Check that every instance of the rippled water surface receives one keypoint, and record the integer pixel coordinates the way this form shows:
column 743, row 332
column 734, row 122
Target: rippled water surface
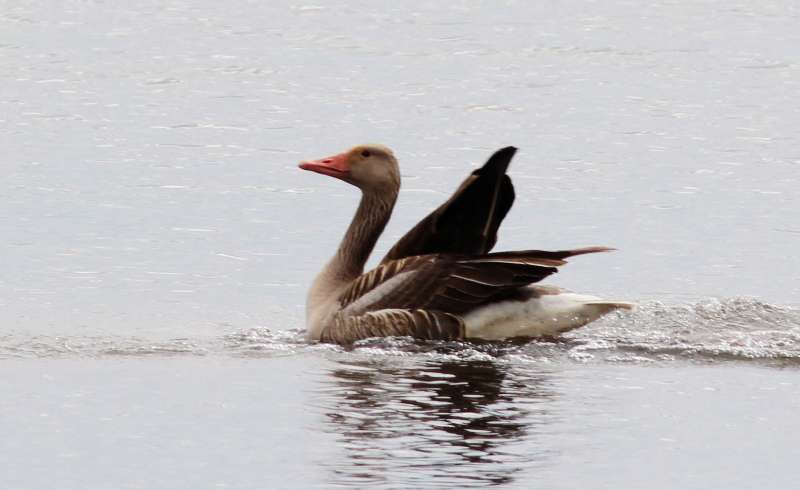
column 158, row 240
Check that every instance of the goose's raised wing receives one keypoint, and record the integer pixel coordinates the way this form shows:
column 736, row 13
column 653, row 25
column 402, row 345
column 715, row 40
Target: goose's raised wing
column 467, row 223
column 452, row 283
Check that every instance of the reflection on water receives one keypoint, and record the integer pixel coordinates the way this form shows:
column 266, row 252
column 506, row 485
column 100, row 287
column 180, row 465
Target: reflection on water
column 434, row 423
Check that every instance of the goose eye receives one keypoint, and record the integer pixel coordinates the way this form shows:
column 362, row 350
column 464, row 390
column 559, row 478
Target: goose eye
column 365, row 153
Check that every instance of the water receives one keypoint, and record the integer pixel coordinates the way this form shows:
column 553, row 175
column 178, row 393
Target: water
column 158, row 239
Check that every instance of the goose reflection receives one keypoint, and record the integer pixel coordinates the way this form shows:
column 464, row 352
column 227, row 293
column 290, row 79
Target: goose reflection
column 433, row 424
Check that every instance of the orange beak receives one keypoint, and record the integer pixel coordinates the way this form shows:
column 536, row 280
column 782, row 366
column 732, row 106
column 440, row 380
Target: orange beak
column 335, row 166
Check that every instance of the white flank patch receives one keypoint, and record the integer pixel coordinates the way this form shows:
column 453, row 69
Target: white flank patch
column 547, row 315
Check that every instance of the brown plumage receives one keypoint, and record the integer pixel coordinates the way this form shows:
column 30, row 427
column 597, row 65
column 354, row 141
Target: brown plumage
column 421, row 324
column 440, row 279
column 454, row 283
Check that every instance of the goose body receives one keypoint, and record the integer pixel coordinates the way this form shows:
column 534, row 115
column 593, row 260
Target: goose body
column 440, row 280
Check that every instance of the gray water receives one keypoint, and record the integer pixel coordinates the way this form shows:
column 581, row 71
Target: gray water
column 158, row 239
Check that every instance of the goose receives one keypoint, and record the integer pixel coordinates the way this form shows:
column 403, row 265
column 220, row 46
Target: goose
column 440, row 281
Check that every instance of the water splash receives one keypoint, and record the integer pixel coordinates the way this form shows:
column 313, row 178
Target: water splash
column 708, row 331
column 738, row 328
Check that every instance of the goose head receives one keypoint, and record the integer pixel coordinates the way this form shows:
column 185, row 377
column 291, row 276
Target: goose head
column 371, row 168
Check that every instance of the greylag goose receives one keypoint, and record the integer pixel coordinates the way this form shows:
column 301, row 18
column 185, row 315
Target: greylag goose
column 440, row 281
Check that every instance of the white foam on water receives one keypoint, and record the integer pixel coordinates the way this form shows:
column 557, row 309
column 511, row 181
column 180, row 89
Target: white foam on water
column 737, row 328
column 709, row 331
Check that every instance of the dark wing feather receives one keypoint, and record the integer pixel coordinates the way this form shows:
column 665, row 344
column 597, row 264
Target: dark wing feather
column 473, row 283
column 547, row 257
column 454, row 284
column 467, row 223
column 451, row 283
